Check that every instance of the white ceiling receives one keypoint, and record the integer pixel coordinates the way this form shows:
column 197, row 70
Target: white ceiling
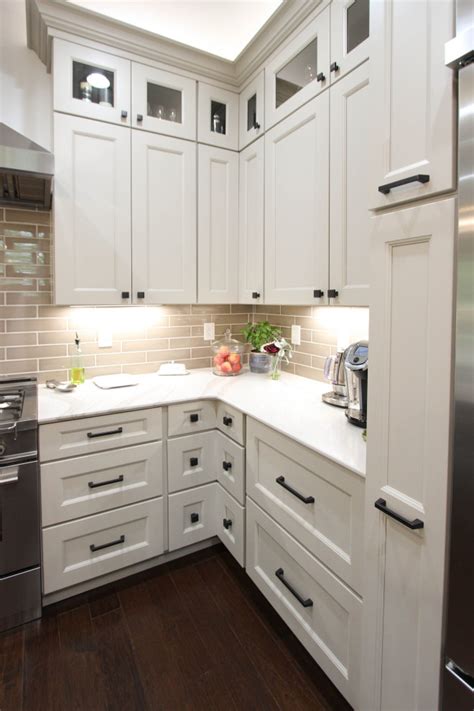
column 220, row 27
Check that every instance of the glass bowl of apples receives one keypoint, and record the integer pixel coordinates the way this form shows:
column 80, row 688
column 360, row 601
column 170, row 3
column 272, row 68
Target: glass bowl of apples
column 228, row 355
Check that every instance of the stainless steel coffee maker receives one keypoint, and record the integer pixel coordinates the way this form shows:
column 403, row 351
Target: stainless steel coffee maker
column 334, row 372
column 357, row 373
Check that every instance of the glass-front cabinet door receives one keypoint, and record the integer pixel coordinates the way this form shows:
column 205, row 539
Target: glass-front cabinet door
column 251, row 121
column 299, row 72
column 163, row 102
column 91, row 83
column 349, row 35
column 218, row 117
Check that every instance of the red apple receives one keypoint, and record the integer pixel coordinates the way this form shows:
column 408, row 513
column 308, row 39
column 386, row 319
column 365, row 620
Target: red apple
column 226, row 367
column 234, row 358
column 236, row 368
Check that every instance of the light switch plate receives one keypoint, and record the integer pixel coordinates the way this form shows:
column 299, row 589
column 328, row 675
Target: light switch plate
column 104, row 338
column 296, row 335
column 209, row 332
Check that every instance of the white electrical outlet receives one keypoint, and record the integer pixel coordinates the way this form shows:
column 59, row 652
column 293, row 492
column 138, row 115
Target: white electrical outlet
column 104, row 338
column 296, row 335
column 209, row 332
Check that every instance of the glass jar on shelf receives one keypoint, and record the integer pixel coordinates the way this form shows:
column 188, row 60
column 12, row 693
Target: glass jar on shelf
column 228, row 355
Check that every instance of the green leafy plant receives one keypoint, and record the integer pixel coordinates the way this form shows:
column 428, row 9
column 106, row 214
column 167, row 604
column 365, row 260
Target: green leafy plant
column 258, row 334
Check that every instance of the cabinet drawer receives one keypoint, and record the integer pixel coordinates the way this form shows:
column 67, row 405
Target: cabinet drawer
column 231, row 421
column 328, row 623
column 89, row 547
column 98, row 482
column 71, row 438
column 191, row 461
column 230, row 524
column 230, row 466
column 189, row 417
column 281, row 473
column 191, row 516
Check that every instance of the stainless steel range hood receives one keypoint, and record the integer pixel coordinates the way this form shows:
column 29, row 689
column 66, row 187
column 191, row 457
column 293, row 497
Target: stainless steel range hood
column 26, row 171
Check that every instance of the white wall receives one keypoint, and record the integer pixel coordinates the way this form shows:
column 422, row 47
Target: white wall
column 25, row 87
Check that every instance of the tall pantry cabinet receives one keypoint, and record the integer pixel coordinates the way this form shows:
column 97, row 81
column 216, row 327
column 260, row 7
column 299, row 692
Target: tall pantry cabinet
column 412, row 266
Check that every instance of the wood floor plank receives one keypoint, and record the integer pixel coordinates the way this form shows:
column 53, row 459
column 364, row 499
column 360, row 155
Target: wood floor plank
column 245, row 685
column 11, row 670
column 44, row 672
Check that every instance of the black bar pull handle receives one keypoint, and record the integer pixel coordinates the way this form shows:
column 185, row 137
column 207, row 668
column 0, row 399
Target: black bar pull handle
column 95, row 484
column 95, row 548
column 420, row 178
column 226, row 466
column 227, row 523
column 280, row 573
column 381, row 505
column 305, row 499
column 92, row 435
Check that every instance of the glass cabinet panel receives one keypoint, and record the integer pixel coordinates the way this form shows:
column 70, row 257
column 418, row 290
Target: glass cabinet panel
column 164, row 103
column 93, row 84
column 252, row 112
column 297, row 73
column 357, row 23
column 218, row 117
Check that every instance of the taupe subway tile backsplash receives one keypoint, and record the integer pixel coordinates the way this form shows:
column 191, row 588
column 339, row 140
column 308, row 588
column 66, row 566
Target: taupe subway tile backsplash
column 37, row 337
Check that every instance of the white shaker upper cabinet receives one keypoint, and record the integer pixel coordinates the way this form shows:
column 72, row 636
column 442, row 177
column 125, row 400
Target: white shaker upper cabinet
column 218, row 117
column 408, row 460
column 218, row 214
column 251, row 221
column 297, row 206
column 349, row 261
column 163, row 102
column 164, row 219
column 91, row 83
column 299, row 71
column 412, row 95
column 251, row 114
column 349, row 35
column 92, row 240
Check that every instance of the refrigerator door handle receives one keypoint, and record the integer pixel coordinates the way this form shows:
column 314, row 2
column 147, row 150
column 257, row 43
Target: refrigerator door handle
column 463, row 677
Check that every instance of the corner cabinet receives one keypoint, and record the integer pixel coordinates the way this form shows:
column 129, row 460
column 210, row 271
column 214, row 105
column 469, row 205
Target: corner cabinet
column 297, row 206
column 92, row 212
column 218, row 117
column 408, row 458
column 218, row 215
column 251, row 112
column 164, row 219
column 251, row 223
column 412, row 132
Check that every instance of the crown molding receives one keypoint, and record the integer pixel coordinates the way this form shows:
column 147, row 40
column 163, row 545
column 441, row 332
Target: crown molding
column 45, row 18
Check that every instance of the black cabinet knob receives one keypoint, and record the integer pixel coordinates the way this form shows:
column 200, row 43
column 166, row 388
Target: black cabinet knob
column 194, row 461
column 194, row 417
column 256, row 125
column 140, row 294
column 124, row 114
column 255, row 295
column 226, row 466
column 334, row 67
column 194, row 517
column 125, row 294
column 332, row 293
column 139, row 118
column 227, row 523
column 320, row 77
column 318, row 293
column 227, row 421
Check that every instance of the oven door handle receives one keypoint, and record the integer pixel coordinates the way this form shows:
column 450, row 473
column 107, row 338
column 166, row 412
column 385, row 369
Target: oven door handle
column 9, row 475
column 8, row 428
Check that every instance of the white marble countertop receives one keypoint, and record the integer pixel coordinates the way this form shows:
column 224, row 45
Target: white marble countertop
column 291, row 405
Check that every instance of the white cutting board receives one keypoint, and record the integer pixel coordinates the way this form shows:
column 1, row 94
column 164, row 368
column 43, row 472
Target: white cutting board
column 122, row 380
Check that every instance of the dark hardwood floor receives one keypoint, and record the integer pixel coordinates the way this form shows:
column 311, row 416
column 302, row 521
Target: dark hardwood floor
column 194, row 634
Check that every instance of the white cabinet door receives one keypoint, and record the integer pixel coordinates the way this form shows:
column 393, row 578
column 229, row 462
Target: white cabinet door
column 92, row 240
column 163, row 102
column 349, row 35
column 91, row 83
column 408, row 459
column 251, row 111
column 230, row 524
column 218, row 251
column 218, row 117
column 164, row 219
column 349, row 194
column 299, row 71
column 297, row 206
column 251, row 221
column 412, row 127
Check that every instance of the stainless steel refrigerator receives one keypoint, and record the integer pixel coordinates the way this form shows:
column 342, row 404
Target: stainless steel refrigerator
column 458, row 678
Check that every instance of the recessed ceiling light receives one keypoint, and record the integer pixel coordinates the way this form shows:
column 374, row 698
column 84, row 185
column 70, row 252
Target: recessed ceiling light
column 98, row 81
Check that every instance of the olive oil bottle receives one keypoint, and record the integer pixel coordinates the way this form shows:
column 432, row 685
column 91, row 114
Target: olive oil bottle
column 77, row 367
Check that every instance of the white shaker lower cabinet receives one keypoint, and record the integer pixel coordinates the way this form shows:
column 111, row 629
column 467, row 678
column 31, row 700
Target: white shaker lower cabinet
column 323, row 613
column 191, row 461
column 218, row 215
column 349, row 194
column 191, row 515
column 230, row 466
column 92, row 212
column 251, row 223
column 230, row 523
column 90, row 547
column 297, row 206
column 408, row 460
column 164, row 219
column 412, row 95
